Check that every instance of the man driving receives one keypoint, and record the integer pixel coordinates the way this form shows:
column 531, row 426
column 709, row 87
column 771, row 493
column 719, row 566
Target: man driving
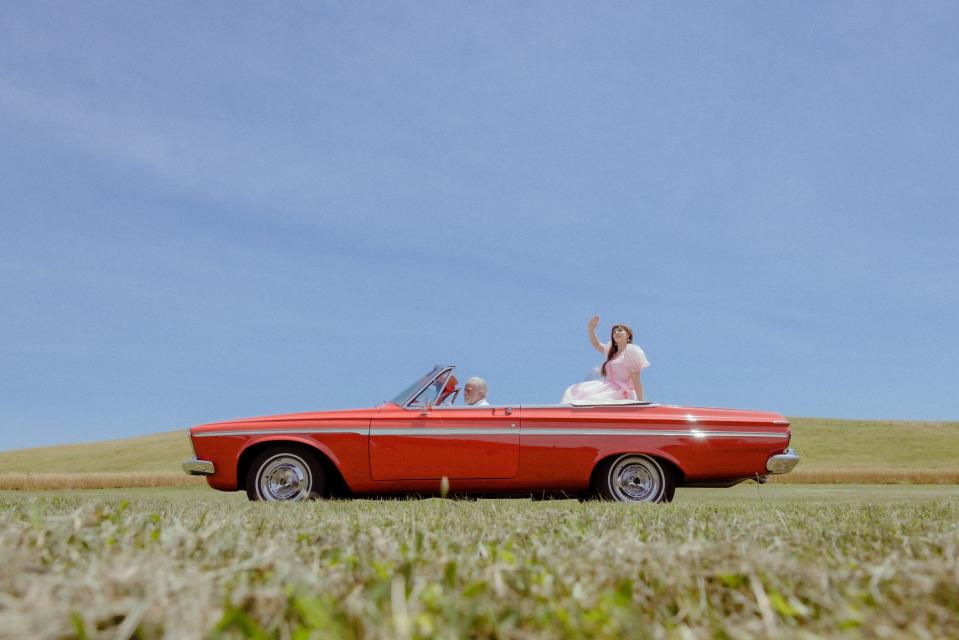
column 474, row 392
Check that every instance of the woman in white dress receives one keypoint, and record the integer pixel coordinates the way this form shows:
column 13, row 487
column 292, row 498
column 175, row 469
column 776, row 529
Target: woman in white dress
column 621, row 370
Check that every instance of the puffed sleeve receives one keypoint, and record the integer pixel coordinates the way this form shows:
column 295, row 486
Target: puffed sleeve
column 635, row 359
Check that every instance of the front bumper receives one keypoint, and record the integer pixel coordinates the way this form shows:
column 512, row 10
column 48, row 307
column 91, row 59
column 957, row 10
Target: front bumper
column 196, row 467
column 782, row 462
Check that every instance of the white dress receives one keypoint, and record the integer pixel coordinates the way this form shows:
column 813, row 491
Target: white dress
column 618, row 384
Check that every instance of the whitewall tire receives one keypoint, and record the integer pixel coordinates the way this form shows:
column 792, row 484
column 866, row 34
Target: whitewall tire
column 285, row 474
column 635, row 477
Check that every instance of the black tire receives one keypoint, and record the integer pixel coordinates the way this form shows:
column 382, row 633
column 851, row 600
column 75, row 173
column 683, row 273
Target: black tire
column 670, row 492
column 285, row 473
column 634, row 477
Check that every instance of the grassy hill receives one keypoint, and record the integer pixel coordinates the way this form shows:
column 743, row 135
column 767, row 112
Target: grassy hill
column 826, row 444
column 832, row 451
column 154, row 453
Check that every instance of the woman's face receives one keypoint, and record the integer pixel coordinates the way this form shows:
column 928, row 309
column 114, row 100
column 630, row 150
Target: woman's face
column 620, row 335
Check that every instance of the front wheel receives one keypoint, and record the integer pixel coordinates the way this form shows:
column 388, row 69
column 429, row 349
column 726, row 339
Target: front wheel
column 283, row 474
column 635, row 478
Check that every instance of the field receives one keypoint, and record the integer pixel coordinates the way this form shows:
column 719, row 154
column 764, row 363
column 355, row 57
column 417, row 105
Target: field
column 773, row 561
column 780, row 560
column 861, row 451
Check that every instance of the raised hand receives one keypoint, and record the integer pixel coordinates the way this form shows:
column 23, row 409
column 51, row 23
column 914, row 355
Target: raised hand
column 593, row 340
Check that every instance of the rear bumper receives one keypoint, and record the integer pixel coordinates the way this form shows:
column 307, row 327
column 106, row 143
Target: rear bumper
column 782, row 462
column 197, row 467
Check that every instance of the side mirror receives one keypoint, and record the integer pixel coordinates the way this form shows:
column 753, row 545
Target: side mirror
column 426, row 409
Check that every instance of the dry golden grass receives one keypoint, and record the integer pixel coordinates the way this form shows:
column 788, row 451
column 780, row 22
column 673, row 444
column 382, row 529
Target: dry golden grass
column 868, row 476
column 161, row 452
column 106, row 480
column 870, row 445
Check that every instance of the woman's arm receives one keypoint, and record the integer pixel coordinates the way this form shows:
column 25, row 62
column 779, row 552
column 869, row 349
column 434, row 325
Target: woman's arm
column 593, row 340
column 639, row 386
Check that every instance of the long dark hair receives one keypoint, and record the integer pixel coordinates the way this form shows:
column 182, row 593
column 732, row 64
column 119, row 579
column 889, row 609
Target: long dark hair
column 613, row 347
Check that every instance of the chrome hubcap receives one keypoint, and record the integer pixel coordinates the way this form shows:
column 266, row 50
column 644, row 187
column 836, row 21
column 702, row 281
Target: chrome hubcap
column 636, row 479
column 285, row 477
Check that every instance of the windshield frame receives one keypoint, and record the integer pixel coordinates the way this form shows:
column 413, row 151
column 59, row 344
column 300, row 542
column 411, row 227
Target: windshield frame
column 406, row 395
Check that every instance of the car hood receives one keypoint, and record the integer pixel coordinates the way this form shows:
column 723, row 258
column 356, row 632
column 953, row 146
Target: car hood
column 315, row 419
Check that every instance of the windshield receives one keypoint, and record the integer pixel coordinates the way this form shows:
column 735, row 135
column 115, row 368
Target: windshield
column 405, row 394
column 429, row 395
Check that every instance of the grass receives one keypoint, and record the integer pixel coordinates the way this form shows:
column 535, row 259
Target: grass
column 880, row 452
column 830, row 445
column 867, row 476
column 102, row 480
column 773, row 561
column 159, row 452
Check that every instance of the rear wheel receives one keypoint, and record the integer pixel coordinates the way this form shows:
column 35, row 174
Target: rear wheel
column 634, row 478
column 285, row 474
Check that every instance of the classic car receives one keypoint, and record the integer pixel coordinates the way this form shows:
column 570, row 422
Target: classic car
column 422, row 443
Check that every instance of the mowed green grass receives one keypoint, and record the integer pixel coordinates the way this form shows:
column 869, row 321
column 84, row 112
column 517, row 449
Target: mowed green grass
column 771, row 561
column 824, row 445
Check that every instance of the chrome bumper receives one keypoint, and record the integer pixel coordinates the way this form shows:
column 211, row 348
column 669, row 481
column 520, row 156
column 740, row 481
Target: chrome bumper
column 198, row 467
column 783, row 462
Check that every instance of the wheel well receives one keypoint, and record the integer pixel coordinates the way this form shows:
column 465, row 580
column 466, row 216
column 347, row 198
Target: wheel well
column 338, row 487
column 667, row 464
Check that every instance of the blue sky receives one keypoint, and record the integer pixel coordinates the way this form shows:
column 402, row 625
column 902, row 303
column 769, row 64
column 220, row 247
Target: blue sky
column 219, row 210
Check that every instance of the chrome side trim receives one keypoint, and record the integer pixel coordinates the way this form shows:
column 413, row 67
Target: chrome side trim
column 196, row 467
column 783, row 462
column 466, row 407
column 279, row 432
column 574, row 432
column 692, row 433
column 581, row 404
column 498, row 431
column 612, row 405
column 445, row 432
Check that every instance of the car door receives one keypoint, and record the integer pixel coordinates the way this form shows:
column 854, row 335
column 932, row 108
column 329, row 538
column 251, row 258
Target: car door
column 456, row 442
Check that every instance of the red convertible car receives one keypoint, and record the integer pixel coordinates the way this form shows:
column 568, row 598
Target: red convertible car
column 421, row 443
